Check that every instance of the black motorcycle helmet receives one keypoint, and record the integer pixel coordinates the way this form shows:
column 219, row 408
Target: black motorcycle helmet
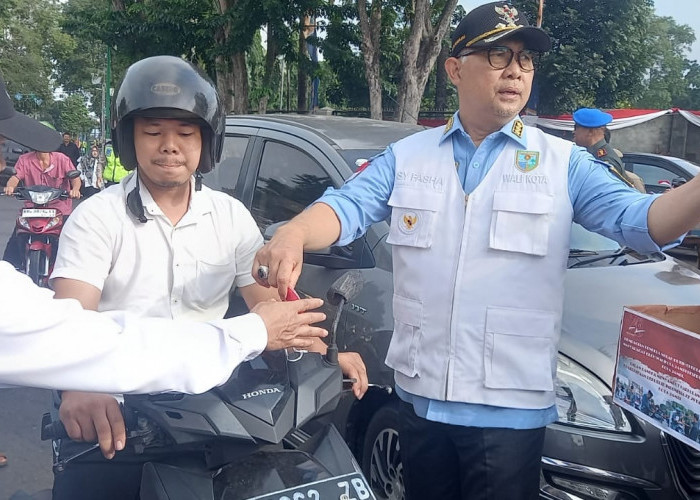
column 167, row 87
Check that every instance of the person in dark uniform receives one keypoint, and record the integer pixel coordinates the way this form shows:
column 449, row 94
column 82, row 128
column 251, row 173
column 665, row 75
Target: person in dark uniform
column 589, row 132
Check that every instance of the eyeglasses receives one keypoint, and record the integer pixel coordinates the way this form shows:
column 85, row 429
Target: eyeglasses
column 501, row 57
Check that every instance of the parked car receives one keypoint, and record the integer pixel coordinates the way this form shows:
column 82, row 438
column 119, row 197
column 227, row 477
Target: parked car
column 11, row 151
column 277, row 165
column 661, row 173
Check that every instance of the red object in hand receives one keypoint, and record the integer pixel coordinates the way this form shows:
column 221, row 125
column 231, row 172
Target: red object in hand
column 291, row 294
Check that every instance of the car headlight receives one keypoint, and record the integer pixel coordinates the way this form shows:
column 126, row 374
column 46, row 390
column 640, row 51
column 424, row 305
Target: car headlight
column 583, row 400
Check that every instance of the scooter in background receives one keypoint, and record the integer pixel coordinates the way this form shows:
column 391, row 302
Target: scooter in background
column 38, row 228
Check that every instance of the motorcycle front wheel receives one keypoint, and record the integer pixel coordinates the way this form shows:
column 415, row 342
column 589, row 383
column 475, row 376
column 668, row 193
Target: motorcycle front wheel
column 36, row 267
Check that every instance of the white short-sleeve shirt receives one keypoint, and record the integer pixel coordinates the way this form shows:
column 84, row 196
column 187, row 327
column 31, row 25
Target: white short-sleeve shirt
column 155, row 268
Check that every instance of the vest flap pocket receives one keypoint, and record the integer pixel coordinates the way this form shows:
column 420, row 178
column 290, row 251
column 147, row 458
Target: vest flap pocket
column 412, row 217
column 419, row 199
column 405, row 342
column 520, row 222
column 523, row 202
column 409, row 311
column 519, row 349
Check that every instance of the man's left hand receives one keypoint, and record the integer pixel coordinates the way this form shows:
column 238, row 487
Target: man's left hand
column 353, row 367
column 74, row 193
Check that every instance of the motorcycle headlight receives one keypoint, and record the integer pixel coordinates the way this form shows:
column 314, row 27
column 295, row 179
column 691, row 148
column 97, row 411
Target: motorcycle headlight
column 583, row 400
column 52, row 223
column 41, row 197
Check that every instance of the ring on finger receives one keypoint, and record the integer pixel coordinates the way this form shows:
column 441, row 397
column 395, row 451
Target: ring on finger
column 263, row 272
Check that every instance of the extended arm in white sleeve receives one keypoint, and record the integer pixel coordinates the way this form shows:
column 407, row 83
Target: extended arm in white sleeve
column 51, row 343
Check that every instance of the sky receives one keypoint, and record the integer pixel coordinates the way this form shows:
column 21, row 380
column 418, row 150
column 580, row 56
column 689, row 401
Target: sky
column 682, row 11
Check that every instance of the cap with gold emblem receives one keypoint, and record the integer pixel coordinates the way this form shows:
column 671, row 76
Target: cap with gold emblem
column 491, row 22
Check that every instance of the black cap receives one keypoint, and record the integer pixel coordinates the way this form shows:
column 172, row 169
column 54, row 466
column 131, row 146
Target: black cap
column 23, row 129
column 495, row 21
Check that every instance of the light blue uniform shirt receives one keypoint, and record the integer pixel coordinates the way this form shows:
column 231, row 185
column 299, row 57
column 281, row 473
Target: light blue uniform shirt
column 601, row 202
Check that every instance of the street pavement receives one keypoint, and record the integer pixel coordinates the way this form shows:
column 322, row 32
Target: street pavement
column 29, row 467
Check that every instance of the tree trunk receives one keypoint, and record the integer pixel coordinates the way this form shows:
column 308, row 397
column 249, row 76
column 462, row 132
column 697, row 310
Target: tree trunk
column 231, row 75
column 419, row 55
column 224, row 83
column 270, row 65
column 240, row 84
column 371, row 29
column 441, row 79
column 302, row 73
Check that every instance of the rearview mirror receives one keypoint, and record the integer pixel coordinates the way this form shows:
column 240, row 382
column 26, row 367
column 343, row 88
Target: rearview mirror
column 73, row 174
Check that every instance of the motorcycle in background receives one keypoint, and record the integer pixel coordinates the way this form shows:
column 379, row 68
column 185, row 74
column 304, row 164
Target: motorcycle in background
column 246, row 439
column 38, row 228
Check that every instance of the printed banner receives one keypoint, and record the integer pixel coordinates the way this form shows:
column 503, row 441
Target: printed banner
column 657, row 376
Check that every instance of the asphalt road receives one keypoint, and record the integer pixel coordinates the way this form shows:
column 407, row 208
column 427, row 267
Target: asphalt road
column 29, row 467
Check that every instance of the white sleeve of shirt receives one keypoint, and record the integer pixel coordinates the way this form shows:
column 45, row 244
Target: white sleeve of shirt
column 86, row 243
column 250, row 242
column 55, row 344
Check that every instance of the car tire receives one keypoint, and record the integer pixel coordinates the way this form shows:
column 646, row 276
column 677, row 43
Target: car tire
column 381, row 460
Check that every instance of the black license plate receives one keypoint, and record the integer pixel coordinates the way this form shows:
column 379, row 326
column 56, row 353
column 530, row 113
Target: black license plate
column 348, row 487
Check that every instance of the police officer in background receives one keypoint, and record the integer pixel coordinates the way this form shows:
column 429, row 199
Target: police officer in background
column 589, row 132
column 481, row 213
column 114, row 171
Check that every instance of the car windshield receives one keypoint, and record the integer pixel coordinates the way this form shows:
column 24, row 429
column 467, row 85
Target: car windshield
column 587, row 241
column 692, row 168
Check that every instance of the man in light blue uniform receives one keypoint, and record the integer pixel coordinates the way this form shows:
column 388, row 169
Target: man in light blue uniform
column 480, row 218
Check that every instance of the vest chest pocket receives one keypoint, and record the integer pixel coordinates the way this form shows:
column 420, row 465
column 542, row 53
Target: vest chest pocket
column 405, row 342
column 412, row 217
column 518, row 351
column 520, row 222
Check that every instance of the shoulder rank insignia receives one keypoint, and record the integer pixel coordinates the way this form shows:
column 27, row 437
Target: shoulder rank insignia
column 517, row 128
column 448, row 125
column 600, row 153
column 527, row 161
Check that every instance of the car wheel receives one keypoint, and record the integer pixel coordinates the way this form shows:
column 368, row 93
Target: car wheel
column 380, row 454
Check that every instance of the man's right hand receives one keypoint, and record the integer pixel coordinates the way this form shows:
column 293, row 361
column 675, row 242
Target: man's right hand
column 93, row 417
column 9, row 190
column 289, row 324
column 283, row 255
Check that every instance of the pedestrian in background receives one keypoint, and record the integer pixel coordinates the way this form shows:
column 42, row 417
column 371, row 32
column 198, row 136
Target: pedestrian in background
column 70, row 149
column 91, row 167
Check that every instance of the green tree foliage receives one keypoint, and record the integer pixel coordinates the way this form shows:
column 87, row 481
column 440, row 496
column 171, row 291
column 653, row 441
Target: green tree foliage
column 671, row 77
column 31, row 35
column 599, row 55
column 72, row 115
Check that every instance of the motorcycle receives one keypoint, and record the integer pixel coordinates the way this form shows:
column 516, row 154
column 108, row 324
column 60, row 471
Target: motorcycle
column 244, row 439
column 38, row 228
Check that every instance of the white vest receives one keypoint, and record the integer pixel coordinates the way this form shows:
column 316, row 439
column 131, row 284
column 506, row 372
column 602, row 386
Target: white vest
column 478, row 280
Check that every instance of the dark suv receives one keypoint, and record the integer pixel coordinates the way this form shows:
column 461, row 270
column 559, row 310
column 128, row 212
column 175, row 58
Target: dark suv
column 276, row 165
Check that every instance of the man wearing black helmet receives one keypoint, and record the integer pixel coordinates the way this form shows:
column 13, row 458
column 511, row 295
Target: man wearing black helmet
column 157, row 244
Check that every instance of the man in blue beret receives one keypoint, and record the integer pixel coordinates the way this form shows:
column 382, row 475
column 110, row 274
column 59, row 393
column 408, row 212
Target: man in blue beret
column 589, row 132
